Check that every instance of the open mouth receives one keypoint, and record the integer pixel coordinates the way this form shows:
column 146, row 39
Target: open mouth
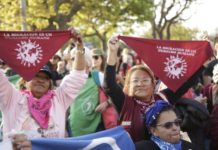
column 40, row 86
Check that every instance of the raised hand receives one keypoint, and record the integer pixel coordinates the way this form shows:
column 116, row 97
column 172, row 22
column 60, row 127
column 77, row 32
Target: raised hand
column 113, row 44
column 77, row 38
column 79, row 62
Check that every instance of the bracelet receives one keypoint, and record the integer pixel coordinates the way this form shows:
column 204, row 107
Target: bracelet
column 108, row 102
column 82, row 51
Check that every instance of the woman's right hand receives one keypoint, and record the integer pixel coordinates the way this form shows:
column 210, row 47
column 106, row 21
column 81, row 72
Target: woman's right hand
column 113, row 44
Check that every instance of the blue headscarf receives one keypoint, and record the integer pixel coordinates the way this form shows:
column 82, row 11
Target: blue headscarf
column 154, row 111
column 150, row 116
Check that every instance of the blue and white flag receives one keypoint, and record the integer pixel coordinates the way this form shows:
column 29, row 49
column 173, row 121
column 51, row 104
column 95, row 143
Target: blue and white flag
column 111, row 139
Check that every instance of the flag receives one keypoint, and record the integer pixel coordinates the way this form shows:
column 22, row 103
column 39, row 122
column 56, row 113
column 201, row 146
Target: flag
column 13, row 79
column 111, row 139
column 173, row 62
column 6, row 145
column 27, row 52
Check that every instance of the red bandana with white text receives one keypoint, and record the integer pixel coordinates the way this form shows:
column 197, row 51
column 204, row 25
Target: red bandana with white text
column 26, row 52
column 174, row 62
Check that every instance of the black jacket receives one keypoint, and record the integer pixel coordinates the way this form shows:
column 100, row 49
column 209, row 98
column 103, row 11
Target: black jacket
column 150, row 145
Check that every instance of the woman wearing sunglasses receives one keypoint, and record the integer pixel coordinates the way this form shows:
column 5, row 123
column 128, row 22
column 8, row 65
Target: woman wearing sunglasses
column 138, row 92
column 164, row 125
column 98, row 59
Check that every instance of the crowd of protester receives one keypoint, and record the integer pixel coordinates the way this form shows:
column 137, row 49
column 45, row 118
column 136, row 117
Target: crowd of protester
column 133, row 98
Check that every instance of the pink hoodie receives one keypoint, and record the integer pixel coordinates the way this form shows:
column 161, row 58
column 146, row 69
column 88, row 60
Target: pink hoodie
column 13, row 105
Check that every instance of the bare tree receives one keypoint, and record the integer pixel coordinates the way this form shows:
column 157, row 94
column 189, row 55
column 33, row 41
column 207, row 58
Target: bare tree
column 166, row 14
column 62, row 19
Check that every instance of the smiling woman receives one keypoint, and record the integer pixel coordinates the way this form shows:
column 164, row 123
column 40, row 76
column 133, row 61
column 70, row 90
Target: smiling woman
column 39, row 108
column 41, row 82
column 136, row 96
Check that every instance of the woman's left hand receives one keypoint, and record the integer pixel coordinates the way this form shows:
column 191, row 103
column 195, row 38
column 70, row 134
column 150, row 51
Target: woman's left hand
column 77, row 37
column 20, row 141
column 102, row 106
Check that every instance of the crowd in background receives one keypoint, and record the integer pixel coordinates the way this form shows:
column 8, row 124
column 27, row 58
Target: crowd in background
column 121, row 72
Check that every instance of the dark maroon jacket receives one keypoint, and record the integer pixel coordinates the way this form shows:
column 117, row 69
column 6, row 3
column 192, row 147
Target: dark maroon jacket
column 132, row 119
column 130, row 116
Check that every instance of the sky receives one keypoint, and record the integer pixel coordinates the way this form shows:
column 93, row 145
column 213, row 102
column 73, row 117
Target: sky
column 204, row 16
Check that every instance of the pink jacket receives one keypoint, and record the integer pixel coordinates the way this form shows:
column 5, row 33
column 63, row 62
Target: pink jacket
column 13, row 105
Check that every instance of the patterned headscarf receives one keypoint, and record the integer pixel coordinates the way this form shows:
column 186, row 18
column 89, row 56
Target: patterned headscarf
column 152, row 114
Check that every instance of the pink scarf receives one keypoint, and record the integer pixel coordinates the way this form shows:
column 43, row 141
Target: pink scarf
column 39, row 108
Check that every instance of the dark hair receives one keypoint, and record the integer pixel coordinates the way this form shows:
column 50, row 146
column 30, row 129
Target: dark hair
column 56, row 57
column 103, row 62
column 215, row 39
column 119, row 51
column 2, row 63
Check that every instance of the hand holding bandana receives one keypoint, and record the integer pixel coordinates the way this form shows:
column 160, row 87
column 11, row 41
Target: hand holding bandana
column 26, row 52
column 174, row 62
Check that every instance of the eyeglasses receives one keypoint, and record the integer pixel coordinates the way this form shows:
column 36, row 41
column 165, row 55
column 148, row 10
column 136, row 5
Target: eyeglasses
column 95, row 57
column 169, row 125
column 146, row 81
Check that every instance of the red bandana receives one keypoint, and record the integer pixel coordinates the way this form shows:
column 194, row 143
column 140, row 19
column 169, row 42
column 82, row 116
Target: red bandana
column 26, row 52
column 174, row 62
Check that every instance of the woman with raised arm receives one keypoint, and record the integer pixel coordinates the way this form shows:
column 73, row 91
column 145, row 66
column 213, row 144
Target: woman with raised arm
column 39, row 109
column 138, row 93
column 135, row 98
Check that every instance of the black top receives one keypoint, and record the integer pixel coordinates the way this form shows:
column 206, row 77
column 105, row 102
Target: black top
column 117, row 96
column 112, row 89
column 150, row 145
column 209, row 70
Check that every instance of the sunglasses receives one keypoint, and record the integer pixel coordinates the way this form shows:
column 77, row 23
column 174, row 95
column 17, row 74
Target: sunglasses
column 169, row 125
column 95, row 57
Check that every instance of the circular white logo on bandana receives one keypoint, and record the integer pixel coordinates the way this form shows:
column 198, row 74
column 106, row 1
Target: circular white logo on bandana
column 176, row 67
column 30, row 53
column 104, row 140
column 87, row 107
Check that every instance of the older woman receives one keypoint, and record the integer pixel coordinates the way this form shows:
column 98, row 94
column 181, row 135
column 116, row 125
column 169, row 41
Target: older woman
column 164, row 126
column 138, row 93
column 40, row 109
column 135, row 98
